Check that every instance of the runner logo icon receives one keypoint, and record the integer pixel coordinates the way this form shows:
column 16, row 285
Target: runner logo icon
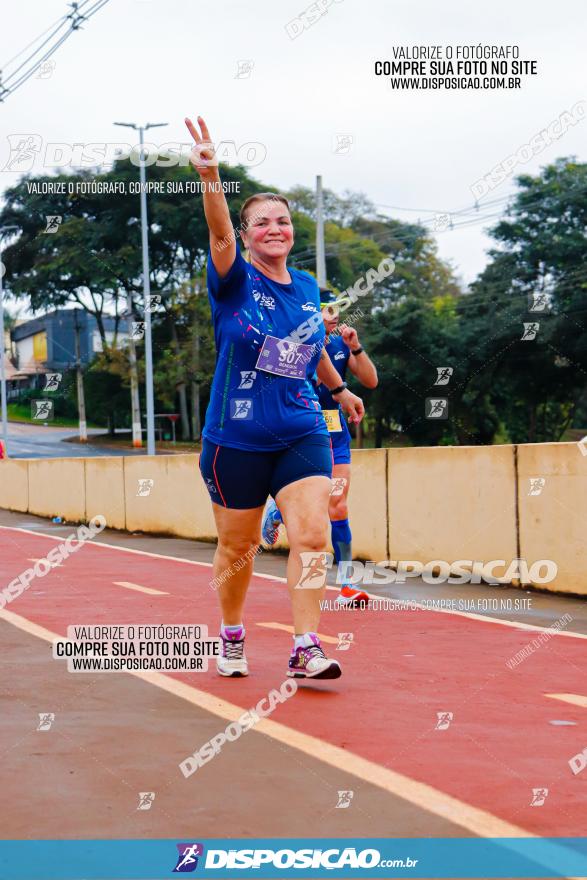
column 187, row 859
column 241, row 409
column 247, row 378
column 314, row 565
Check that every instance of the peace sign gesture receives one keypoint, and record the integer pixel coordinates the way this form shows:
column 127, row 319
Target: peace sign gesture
column 203, row 155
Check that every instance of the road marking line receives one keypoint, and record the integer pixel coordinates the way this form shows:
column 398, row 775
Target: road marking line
column 290, row 629
column 573, row 699
column 41, row 559
column 468, row 614
column 423, row 796
column 139, row 588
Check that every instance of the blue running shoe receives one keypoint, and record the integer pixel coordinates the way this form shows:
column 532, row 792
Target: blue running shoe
column 271, row 523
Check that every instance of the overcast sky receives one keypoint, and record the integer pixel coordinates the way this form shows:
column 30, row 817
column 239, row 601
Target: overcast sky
column 146, row 60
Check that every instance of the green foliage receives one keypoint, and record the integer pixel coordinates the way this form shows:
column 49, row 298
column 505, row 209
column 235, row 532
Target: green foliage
column 503, row 388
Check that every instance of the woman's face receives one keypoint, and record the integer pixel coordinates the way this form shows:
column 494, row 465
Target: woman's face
column 270, row 234
column 330, row 317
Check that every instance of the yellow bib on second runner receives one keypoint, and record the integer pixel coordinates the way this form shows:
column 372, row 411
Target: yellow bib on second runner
column 332, row 419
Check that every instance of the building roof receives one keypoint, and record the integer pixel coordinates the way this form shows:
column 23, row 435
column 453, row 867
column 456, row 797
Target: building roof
column 10, row 370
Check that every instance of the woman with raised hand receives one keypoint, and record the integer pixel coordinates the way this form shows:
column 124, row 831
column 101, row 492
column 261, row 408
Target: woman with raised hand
column 264, row 433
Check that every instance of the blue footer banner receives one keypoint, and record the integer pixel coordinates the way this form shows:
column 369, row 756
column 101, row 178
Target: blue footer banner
column 299, row 857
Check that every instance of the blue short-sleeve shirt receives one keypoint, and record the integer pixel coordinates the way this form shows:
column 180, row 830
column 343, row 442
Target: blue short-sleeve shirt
column 249, row 408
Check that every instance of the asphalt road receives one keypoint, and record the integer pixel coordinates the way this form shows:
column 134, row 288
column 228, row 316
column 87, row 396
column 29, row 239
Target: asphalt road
column 45, row 441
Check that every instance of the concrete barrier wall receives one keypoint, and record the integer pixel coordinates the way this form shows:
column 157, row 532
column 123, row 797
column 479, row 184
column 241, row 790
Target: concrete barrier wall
column 177, row 503
column 57, row 487
column 14, row 484
column 452, row 503
column 553, row 513
column 105, row 490
column 368, row 503
column 445, row 503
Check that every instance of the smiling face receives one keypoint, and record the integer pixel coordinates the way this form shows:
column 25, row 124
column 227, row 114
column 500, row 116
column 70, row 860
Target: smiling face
column 269, row 235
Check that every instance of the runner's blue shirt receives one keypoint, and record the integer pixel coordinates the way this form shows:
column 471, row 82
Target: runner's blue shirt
column 250, row 408
column 339, row 353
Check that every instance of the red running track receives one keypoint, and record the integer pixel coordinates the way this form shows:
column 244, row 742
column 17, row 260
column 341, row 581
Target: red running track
column 402, row 668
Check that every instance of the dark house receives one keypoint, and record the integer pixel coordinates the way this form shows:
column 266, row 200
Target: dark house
column 47, row 344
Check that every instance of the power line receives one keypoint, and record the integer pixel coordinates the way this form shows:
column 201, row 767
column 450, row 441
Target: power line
column 32, row 43
column 475, row 207
column 61, row 24
column 510, row 296
column 389, row 236
column 76, row 17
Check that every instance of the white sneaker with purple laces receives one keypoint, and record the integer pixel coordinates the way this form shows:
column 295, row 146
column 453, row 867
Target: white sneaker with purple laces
column 232, row 661
column 310, row 661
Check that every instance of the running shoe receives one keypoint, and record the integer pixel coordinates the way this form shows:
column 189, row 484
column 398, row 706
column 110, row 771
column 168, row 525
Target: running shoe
column 312, row 662
column 232, row 661
column 352, row 598
column 271, row 523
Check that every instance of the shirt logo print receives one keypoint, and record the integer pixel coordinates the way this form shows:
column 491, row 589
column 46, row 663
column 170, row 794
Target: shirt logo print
column 263, row 300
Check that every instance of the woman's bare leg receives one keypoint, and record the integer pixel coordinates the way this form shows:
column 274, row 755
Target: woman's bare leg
column 304, row 508
column 239, row 533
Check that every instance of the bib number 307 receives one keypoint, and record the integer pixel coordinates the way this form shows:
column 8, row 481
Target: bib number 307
column 284, row 358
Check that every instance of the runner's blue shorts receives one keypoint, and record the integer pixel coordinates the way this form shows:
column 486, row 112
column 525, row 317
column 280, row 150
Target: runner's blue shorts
column 341, row 444
column 240, row 479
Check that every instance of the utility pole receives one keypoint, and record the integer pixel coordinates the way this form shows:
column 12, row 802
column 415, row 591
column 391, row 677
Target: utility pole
column 81, row 400
column 320, row 255
column 137, row 432
column 146, row 286
column 3, row 403
column 321, row 265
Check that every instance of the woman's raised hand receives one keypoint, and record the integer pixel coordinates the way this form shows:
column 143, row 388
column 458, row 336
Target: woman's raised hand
column 203, row 155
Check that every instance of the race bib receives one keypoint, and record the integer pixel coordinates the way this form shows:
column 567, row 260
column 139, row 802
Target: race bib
column 284, row 358
column 332, row 419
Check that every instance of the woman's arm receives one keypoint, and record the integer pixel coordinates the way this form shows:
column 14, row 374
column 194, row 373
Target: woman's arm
column 350, row 403
column 360, row 365
column 222, row 236
column 363, row 368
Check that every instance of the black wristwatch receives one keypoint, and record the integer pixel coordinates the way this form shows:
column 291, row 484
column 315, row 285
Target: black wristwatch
column 358, row 350
column 338, row 390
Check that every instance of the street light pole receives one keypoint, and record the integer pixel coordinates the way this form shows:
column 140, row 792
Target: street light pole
column 149, row 392
column 3, row 403
column 320, row 254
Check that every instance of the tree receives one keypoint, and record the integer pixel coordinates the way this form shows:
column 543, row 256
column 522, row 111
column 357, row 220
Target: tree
column 540, row 263
column 94, row 259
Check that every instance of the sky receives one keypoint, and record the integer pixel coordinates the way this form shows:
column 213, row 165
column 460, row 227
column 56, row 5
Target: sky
column 313, row 103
